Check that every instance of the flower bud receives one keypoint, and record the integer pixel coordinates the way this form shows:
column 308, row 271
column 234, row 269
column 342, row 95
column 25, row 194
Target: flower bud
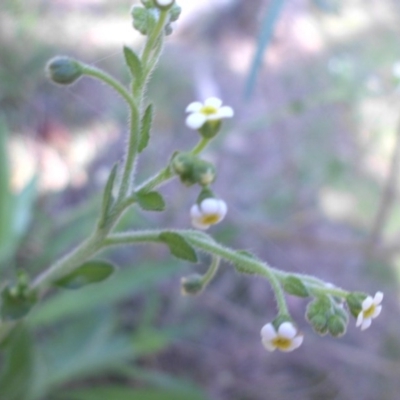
column 191, row 169
column 354, row 301
column 204, row 172
column 64, row 70
column 336, row 325
column 192, row 285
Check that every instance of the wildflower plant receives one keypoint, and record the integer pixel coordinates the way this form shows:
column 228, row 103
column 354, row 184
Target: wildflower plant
column 329, row 306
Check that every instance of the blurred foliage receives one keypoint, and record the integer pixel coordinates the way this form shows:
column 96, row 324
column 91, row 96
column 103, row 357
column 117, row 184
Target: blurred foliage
column 74, row 336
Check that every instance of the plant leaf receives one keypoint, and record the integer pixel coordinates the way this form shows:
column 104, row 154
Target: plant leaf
column 151, row 201
column 16, row 376
column 108, row 195
column 126, row 393
column 127, row 282
column 24, row 203
column 134, row 63
column 16, row 306
column 178, row 246
column 89, row 272
column 271, row 17
column 6, row 204
column 146, row 123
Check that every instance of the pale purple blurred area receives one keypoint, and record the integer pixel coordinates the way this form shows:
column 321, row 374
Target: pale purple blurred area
column 302, row 165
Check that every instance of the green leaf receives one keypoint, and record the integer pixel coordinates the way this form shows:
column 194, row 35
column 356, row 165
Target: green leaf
column 24, row 203
column 178, row 246
column 125, row 393
column 89, row 272
column 6, row 204
column 145, row 128
column 15, row 304
column 151, row 201
column 16, row 376
column 108, row 196
column 134, row 63
column 268, row 26
column 127, row 282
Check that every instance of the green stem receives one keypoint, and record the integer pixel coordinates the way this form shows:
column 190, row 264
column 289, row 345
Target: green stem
column 253, row 266
column 149, row 47
column 109, row 80
column 200, row 146
column 211, row 271
column 133, row 145
column 68, row 263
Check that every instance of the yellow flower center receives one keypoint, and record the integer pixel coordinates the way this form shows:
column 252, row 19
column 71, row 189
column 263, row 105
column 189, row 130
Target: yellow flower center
column 369, row 312
column 208, row 110
column 282, row 343
column 210, row 219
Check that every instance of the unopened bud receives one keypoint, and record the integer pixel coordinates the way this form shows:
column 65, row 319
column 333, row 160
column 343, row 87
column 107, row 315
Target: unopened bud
column 64, row 70
column 192, row 284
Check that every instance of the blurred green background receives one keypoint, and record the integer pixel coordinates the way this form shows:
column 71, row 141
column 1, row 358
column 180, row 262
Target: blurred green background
column 309, row 167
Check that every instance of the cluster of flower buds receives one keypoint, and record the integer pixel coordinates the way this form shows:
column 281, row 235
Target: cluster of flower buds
column 145, row 18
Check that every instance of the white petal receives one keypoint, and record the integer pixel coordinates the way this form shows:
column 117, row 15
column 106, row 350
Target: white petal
column 360, row 318
column 196, row 120
column 164, row 2
column 194, row 107
column 222, row 208
column 367, row 303
column 195, row 211
column 225, row 112
column 210, row 206
column 199, row 225
column 213, row 102
column 297, row 341
column 287, row 330
column 268, row 332
column 377, row 311
column 378, row 298
column 366, row 324
column 268, row 345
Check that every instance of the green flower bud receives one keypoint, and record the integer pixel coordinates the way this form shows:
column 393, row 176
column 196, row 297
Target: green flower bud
column 204, row 172
column 318, row 312
column 64, row 70
column 354, row 301
column 319, row 324
column 17, row 299
column 295, row 286
column 336, row 325
column 192, row 285
column 192, row 169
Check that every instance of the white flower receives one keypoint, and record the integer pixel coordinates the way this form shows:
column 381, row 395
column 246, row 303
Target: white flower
column 164, row 3
column 371, row 308
column 209, row 212
column 287, row 338
column 211, row 110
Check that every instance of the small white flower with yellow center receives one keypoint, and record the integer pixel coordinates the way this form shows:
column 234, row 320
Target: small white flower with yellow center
column 209, row 212
column 371, row 308
column 211, row 110
column 286, row 338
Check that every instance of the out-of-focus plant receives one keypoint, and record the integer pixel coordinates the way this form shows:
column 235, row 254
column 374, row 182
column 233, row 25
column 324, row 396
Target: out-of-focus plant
column 329, row 307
